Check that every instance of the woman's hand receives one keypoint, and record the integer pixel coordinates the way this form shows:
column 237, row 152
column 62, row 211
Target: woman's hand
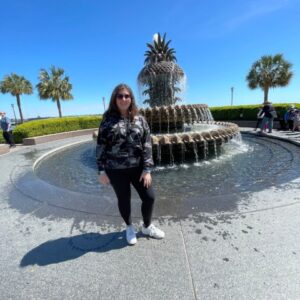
column 146, row 177
column 103, row 179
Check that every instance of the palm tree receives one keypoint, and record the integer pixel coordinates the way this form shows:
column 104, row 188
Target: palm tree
column 54, row 86
column 269, row 72
column 16, row 85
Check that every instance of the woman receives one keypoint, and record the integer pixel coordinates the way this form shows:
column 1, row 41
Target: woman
column 124, row 157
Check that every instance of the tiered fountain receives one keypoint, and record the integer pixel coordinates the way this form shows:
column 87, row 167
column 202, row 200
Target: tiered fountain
column 179, row 133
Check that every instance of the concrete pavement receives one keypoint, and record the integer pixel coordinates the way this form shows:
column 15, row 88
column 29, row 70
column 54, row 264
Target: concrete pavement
column 55, row 248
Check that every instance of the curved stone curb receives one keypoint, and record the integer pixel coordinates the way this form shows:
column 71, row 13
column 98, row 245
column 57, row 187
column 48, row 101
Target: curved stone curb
column 57, row 136
column 275, row 136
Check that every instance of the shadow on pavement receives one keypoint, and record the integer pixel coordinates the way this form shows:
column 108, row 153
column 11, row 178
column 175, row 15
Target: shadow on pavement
column 68, row 248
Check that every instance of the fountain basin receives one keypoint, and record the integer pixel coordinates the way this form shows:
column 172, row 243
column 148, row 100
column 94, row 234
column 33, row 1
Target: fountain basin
column 202, row 140
column 220, row 184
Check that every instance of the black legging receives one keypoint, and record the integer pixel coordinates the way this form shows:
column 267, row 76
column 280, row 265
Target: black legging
column 120, row 180
column 8, row 136
column 258, row 123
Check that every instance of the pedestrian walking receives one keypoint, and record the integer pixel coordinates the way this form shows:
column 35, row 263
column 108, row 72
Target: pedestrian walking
column 7, row 130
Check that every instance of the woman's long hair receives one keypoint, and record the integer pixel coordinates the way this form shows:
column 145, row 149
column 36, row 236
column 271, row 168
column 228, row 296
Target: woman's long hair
column 113, row 109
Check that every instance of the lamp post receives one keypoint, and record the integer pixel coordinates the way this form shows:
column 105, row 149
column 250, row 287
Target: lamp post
column 13, row 107
column 103, row 99
column 232, row 88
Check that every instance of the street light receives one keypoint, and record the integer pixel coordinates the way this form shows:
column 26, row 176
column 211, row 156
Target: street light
column 103, row 99
column 232, row 88
column 13, row 107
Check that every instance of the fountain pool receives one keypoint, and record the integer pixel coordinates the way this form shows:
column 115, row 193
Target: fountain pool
column 218, row 184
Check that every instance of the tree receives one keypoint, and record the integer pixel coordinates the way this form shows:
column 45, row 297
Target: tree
column 54, row 86
column 269, row 72
column 16, row 85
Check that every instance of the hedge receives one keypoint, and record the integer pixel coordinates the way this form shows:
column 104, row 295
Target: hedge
column 246, row 112
column 54, row 125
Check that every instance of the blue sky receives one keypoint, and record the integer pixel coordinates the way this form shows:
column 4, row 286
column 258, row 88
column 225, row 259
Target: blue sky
column 102, row 43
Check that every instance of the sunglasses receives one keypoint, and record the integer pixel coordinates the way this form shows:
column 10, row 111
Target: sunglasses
column 121, row 96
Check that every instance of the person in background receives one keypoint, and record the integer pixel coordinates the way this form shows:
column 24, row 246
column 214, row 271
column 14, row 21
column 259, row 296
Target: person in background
column 124, row 157
column 270, row 115
column 284, row 121
column 296, row 120
column 260, row 116
column 7, row 130
column 289, row 116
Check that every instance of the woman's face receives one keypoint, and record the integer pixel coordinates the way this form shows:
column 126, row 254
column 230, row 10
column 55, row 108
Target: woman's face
column 123, row 100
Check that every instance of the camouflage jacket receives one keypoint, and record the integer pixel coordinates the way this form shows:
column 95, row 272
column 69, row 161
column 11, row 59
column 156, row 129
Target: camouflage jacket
column 123, row 144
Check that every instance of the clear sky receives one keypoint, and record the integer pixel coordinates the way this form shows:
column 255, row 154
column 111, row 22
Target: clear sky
column 102, row 43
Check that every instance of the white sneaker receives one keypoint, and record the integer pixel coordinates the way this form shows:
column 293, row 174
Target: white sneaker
column 153, row 231
column 130, row 235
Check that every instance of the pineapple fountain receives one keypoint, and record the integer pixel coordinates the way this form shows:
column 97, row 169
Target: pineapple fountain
column 180, row 133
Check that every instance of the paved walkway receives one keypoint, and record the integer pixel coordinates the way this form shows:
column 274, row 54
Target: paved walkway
column 54, row 251
column 290, row 136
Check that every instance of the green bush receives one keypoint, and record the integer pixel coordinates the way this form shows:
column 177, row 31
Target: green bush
column 246, row 112
column 54, row 125
column 2, row 141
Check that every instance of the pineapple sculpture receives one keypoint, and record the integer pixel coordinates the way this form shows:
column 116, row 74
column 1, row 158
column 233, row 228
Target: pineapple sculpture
column 172, row 141
column 161, row 75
